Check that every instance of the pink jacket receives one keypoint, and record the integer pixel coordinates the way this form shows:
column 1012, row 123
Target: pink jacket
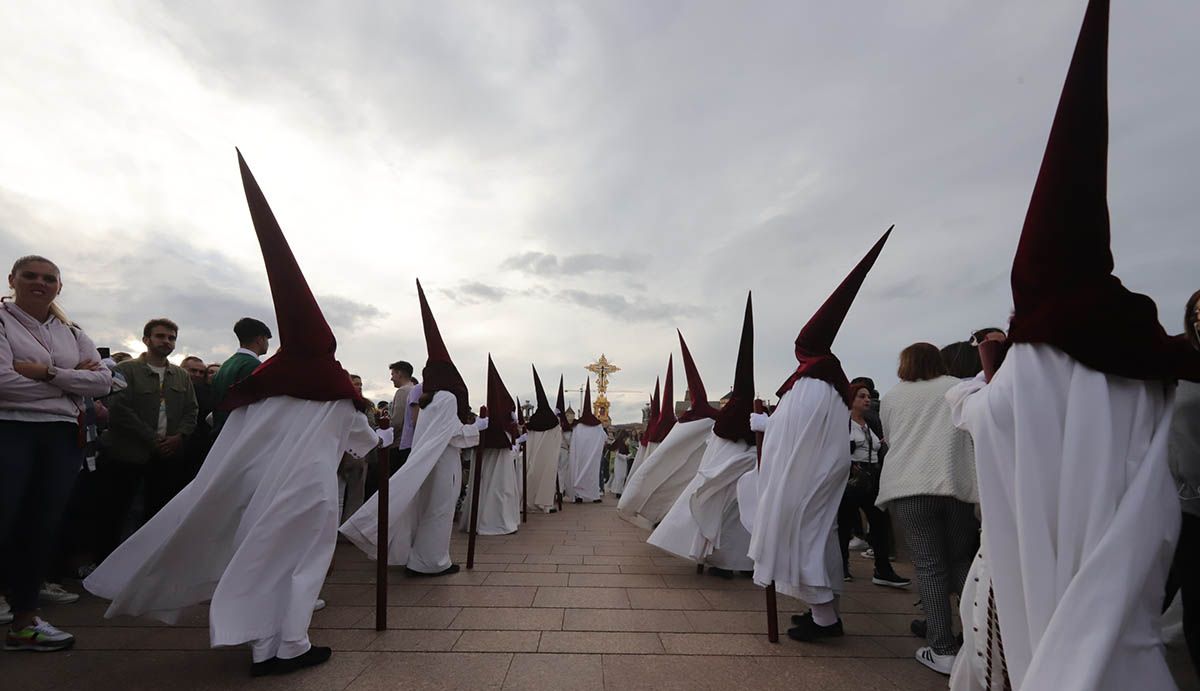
column 23, row 338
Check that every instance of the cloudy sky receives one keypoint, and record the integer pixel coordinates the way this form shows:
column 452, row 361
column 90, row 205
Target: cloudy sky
column 571, row 178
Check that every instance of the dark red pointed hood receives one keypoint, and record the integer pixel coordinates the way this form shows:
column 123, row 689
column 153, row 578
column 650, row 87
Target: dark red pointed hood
column 814, row 345
column 652, row 420
column 304, row 366
column 666, row 412
column 500, row 411
column 587, row 417
column 698, row 407
column 543, row 419
column 440, row 374
column 1064, row 291
column 733, row 421
column 561, row 404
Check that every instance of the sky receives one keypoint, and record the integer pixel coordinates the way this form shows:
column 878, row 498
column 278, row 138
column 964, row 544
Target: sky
column 575, row 178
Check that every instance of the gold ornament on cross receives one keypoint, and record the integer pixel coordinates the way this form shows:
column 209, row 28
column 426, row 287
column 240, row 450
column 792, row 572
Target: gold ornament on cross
column 602, row 368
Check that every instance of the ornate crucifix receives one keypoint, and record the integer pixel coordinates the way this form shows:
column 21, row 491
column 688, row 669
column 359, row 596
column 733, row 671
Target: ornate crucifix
column 602, row 368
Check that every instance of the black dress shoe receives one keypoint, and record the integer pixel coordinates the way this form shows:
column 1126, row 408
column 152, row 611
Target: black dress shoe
column 578, row 500
column 262, row 669
column 453, row 568
column 720, row 573
column 597, row 501
column 807, row 630
column 315, row 656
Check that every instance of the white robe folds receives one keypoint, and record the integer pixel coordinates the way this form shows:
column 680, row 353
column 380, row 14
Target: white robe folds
column 542, row 450
column 704, row 525
column 422, row 493
column 564, row 465
column 254, row 532
column 805, row 465
column 587, row 450
column 653, row 488
column 1081, row 518
column 970, row 672
column 499, row 494
column 616, row 483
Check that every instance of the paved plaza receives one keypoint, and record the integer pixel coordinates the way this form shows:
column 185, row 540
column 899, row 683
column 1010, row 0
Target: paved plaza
column 573, row 601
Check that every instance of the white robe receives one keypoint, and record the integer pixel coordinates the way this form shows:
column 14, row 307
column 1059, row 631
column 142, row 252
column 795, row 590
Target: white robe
column 587, row 450
column 971, row 667
column 805, row 465
column 254, row 532
column 1081, row 518
column 616, row 483
column 653, row 488
column 499, row 494
column 542, row 451
column 422, row 493
column 564, row 465
column 704, row 525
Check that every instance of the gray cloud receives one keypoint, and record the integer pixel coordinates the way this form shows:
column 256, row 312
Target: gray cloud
column 545, row 264
column 474, row 293
column 623, row 308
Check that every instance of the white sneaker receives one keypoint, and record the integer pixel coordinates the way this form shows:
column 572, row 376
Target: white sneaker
column 942, row 664
column 870, row 554
column 6, row 615
column 54, row 593
column 318, row 605
column 858, row 544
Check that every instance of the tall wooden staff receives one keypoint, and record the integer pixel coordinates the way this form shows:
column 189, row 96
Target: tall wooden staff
column 383, row 477
column 772, row 608
column 474, row 523
column 524, row 483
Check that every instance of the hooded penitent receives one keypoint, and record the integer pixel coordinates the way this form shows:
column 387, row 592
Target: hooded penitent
column 814, row 345
column 304, row 366
column 1064, row 291
column 652, row 420
column 697, row 396
column 500, row 411
column 560, row 404
column 543, row 417
column 666, row 412
column 440, row 374
column 733, row 420
column 499, row 477
column 587, row 417
column 588, row 438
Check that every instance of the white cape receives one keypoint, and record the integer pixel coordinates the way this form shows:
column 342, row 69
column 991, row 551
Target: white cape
column 254, row 532
column 587, row 450
column 805, row 465
column 542, row 451
column 499, row 494
column 970, row 672
column 422, row 493
column 616, row 483
column 704, row 524
column 657, row 483
column 564, row 464
column 1081, row 518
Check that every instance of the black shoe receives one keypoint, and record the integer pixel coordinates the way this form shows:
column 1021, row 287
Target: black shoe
column 578, row 500
column 315, row 656
column 453, row 568
column 597, row 501
column 720, row 573
column 807, row 630
column 553, row 510
column 262, row 669
column 919, row 628
column 890, row 580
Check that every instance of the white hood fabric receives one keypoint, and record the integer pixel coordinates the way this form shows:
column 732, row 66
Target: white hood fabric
column 542, row 451
column 254, row 532
column 1081, row 518
column 587, row 450
column 655, row 484
column 616, row 483
column 499, row 494
column 805, row 465
column 704, row 524
column 423, row 493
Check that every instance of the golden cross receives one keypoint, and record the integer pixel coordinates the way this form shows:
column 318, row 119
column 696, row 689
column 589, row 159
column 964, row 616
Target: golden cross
column 602, row 368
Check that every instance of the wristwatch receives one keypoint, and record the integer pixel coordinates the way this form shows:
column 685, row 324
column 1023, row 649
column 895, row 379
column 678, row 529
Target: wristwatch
column 51, row 372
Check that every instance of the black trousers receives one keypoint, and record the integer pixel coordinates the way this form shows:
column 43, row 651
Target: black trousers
column 879, row 537
column 120, row 484
column 1185, row 579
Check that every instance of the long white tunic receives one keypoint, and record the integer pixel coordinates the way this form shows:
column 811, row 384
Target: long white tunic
column 616, row 483
column 1081, row 518
column 704, row 524
column 587, row 449
column 542, row 451
column 564, row 465
column 422, row 493
column 499, row 494
column 254, row 532
column 655, row 485
column 805, row 465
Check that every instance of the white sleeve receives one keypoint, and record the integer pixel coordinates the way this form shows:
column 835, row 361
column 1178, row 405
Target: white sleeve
column 466, row 437
column 959, row 397
column 362, row 439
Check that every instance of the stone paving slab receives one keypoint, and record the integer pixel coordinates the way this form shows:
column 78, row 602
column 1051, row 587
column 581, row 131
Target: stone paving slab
column 572, row 601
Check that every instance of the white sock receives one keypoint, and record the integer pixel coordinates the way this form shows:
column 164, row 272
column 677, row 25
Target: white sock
column 824, row 614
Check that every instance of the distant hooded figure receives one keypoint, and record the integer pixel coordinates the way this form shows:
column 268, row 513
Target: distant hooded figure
column 542, row 446
column 255, row 531
column 500, row 478
column 424, row 491
column 587, row 450
column 1080, row 514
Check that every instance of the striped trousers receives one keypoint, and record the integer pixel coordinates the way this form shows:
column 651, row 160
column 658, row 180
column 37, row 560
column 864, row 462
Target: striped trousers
column 943, row 536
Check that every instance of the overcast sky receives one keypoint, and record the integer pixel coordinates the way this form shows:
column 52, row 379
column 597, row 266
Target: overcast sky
column 571, row 178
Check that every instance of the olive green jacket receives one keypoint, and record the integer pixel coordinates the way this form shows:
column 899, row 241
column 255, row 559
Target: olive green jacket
column 133, row 411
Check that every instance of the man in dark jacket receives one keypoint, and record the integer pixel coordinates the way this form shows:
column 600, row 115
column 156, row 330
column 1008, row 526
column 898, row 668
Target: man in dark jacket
column 253, row 339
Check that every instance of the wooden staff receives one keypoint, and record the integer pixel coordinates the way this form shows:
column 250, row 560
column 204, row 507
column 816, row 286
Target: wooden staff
column 772, row 607
column 383, row 478
column 474, row 523
column 524, row 483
